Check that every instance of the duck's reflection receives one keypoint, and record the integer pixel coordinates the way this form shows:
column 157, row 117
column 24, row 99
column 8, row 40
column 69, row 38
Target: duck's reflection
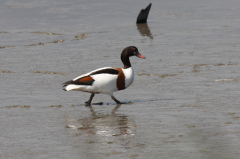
column 144, row 30
column 110, row 124
column 102, row 133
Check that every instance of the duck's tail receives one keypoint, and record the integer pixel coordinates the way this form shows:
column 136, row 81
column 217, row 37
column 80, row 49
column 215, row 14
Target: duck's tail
column 65, row 84
column 76, row 85
column 64, row 87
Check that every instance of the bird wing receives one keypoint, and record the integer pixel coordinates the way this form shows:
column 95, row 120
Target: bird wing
column 87, row 78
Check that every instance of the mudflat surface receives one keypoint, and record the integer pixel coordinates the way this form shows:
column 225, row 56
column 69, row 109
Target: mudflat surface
column 184, row 99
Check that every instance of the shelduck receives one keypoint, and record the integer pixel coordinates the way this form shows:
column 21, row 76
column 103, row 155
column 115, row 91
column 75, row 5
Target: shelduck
column 106, row 80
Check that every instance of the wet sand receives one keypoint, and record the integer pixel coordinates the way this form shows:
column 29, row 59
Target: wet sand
column 184, row 99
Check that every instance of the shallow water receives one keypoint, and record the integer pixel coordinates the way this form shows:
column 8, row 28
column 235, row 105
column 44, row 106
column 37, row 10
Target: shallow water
column 184, row 99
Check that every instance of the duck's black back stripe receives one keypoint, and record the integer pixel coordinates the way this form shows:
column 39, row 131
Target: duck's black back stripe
column 75, row 82
column 108, row 71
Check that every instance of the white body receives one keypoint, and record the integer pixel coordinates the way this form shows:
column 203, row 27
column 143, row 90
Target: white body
column 129, row 76
column 103, row 83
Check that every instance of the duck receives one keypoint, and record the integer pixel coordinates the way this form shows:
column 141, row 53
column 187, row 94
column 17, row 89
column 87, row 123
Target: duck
column 106, row 80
